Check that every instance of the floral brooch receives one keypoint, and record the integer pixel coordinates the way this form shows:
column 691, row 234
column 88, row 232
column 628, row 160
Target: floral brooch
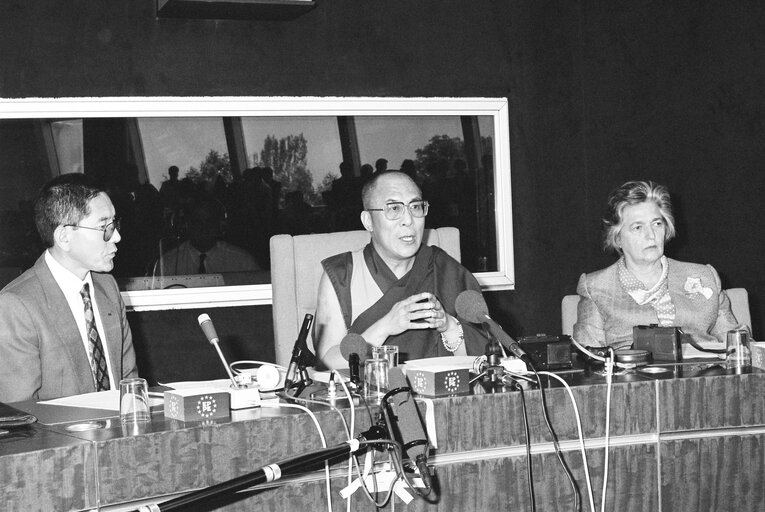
column 693, row 286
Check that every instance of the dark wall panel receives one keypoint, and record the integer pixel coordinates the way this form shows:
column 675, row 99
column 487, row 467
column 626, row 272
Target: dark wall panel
column 599, row 93
column 171, row 347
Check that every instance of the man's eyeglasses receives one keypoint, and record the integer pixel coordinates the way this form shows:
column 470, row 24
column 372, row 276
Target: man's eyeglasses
column 395, row 209
column 108, row 230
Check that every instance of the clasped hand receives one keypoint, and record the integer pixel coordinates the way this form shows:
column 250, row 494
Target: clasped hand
column 420, row 311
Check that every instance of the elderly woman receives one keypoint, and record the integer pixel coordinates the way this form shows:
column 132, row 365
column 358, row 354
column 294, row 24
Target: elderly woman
column 645, row 287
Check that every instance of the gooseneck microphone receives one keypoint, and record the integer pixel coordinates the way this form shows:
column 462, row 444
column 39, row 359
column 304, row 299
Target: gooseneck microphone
column 406, row 424
column 209, row 329
column 297, row 351
column 472, row 307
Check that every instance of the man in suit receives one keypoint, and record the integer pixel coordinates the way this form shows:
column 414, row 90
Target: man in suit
column 63, row 328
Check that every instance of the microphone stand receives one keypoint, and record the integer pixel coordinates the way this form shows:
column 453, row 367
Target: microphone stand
column 494, row 369
column 491, row 371
column 266, row 474
column 297, row 373
column 302, row 379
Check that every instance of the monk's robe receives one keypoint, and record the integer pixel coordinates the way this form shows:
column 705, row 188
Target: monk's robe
column 367, row 290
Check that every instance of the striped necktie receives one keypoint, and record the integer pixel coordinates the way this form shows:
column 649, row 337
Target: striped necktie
column 95, row 349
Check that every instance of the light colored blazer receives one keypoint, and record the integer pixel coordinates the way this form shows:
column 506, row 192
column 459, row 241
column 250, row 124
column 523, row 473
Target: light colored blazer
column 41, row 351
column 607, row 313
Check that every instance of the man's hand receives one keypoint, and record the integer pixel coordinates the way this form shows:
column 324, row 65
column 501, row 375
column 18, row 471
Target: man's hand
column 420, row 311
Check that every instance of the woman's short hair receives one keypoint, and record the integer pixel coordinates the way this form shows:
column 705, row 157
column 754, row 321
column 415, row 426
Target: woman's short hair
column 631, row 193
column 63, row 201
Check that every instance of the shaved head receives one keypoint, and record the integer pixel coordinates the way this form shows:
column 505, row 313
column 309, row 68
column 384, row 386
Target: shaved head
column 367, row 193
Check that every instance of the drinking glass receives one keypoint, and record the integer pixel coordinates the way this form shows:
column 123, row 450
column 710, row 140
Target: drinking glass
column 738, row 353
column 134, row 401
column 387, row 352
column 375, row 380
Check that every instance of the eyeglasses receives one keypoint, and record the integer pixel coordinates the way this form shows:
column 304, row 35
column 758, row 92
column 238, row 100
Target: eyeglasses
column 395, row 209
column 108, row 230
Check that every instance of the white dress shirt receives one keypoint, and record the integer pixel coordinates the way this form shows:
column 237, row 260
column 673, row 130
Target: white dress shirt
column 71, row 286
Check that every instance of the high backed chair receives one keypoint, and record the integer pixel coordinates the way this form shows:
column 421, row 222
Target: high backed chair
column 296, row 270
column 739, row 304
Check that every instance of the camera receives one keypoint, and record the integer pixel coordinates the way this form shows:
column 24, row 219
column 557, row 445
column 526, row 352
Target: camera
column 548, row 352
column 664, row 343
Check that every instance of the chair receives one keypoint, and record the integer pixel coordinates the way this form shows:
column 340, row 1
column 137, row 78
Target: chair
column 296, row 270
column 568, row 314
column 739, row 304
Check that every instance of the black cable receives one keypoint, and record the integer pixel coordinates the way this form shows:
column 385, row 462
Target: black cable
column 574, row 488
column 514, row 385
column 698, row 347
column 529, row 470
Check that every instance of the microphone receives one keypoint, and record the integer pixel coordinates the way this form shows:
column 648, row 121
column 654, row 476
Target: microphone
column 405, row 423
column 209, row 329
column 355, row 349
column 353, row 343
column 353, row 368
column 297, row 351
column 471, row 306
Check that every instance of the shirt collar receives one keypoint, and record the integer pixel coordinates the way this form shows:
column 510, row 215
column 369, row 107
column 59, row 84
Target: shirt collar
column 67, row 281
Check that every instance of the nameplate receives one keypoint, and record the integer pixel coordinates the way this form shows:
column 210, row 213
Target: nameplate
column 197, row 404
column 435, row 382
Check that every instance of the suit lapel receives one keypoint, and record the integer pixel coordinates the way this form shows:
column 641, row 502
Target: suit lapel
column 62, row 320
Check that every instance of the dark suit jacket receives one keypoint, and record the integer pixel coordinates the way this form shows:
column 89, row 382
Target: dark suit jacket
column 607, row 313
column 42, row 355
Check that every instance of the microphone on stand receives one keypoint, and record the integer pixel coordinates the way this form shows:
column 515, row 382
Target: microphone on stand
column 471, row 306
column 297, row 352
column 209, row 329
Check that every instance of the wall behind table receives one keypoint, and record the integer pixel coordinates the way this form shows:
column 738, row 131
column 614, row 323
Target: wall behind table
column 599, row 93
column 170, row 346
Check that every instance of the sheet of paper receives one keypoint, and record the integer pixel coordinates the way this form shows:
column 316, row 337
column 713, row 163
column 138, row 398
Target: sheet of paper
column 218, row 384
column 106, row 400
column 441, row 363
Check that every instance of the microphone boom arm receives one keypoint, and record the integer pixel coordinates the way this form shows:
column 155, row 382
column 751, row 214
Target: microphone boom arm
column 266, row 474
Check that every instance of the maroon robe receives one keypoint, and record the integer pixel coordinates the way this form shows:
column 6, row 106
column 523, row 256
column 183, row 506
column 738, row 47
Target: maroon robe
column 433, row 271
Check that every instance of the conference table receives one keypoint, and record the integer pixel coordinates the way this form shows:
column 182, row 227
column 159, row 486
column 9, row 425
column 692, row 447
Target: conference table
column 690, row 438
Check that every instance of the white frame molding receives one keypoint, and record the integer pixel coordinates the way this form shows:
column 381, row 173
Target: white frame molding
column 258, row 295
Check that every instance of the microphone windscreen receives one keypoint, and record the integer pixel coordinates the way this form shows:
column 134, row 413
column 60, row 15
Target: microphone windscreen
column 471, row 306
column 207, row 327
column 354, row 343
